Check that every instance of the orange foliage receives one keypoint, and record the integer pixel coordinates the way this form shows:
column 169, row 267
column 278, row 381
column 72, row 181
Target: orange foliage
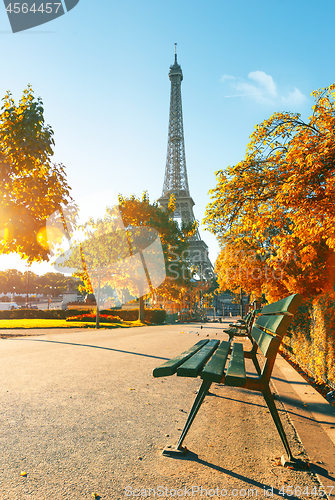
column 279, row 203
column 31, row 186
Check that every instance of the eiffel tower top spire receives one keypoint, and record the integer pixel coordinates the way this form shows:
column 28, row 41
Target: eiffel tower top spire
column 175, row 180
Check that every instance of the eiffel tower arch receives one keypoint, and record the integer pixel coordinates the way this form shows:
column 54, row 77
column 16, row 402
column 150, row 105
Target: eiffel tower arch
column 175, row 179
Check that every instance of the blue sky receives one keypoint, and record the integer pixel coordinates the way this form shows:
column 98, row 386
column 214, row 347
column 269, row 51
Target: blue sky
column 102, row 72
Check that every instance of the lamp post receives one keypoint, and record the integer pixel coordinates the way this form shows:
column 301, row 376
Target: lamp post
column 27, row 299
column 97, row 318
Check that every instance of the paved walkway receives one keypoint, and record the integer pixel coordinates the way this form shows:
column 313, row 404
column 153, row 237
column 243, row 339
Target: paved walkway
column 82, row 414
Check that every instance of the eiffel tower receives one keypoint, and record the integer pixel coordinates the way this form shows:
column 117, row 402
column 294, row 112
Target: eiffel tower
column 175, row 180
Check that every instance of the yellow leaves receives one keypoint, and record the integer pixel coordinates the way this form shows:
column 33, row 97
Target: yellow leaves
column 47, row 238
column 238, row 266
column 330, row 242
column 7, row 233
column 33, row 187
column 42, row 238
column 172, row 203
column 281, row 197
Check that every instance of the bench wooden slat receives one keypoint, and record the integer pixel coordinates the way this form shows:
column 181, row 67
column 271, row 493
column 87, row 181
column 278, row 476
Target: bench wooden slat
column 277, row 324
column 214, row 369
column 235, row 375
column 267, row 343
column 193, row 366
column 170, row 367
column 288, row 305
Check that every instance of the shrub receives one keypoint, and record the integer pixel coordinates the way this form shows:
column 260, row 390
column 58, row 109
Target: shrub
column 310, row 341
column 33, row 314
column 153, row 316
column 91, row 317
column 124, row 314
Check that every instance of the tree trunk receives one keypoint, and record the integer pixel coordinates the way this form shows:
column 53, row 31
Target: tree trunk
column 97, row 318
column 141, row 309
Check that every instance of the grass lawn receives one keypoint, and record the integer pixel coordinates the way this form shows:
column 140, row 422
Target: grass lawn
column 60, row 323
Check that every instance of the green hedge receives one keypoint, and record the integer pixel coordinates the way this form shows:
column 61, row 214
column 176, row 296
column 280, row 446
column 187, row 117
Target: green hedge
column 155, row 316
column 310, row 341
column 125, row 314
column 39, row 314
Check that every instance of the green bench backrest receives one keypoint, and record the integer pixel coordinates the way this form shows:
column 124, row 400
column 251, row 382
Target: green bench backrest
column 271, row 326
column 276, row 324
column 289, row 305
column 243, row 321
column 252, row 316
column 248, row 318
column 267, row 343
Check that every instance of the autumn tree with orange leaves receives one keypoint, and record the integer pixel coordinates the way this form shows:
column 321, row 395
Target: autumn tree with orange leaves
column 274, row 212
column 31, row 186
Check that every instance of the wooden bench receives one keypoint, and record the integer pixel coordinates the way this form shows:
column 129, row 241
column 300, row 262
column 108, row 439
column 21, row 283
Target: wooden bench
column 242, row 327
column 225, row 363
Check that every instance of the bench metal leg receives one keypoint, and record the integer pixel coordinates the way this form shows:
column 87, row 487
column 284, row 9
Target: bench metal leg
column 194, row 410
column 275, row 415
column 256, row 364
column 253, row 355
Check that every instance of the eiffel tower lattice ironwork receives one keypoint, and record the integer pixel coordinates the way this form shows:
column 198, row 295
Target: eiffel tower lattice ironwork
column 175, row 180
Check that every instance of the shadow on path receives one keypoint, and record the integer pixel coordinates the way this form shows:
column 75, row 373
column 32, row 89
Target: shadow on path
column 193, row 457
column 97, row 347
column 283, row 399
column 293, row 382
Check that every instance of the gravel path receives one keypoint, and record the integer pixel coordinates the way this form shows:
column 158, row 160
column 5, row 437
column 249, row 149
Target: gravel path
column 82, row 414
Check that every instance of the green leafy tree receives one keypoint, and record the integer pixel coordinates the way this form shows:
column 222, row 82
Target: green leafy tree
column 174, row 238
column 122, row 250
column 55, row 283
